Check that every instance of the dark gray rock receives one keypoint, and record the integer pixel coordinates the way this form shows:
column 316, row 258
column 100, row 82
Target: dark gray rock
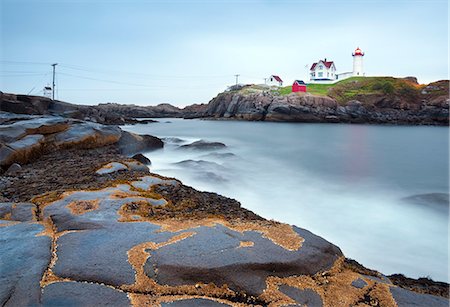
column 82, row 294
column 32, row 125
column 131, row 143
column 212, row 255
column 436, row 201
column 22, row 150
column 88, row 135
column 359, row 283
column 203, row 145
column 405, row 298
column 22, row 212
column 98, row 253
column 24, row 258
column 305, row 297
column 143, row 159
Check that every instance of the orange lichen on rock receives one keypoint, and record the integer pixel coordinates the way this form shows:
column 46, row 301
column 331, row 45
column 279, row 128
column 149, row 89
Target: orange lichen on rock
column 79, row 207
column 137, row 257
column 280, row 234
column 333, row 286
column 246, row 244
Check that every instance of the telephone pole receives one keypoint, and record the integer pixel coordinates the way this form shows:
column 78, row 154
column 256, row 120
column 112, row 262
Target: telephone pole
column 53, row 86
column 237, row 78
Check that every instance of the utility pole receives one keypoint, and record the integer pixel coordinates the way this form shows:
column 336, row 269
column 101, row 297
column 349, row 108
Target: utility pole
column 237, row 78
column 53, row 86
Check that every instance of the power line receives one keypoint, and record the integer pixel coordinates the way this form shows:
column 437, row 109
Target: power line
column 40, row 82
column 20, row 75
column 103, row 71
column 27, row 63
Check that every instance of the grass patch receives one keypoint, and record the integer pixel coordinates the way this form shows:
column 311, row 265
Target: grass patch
column 361, row 88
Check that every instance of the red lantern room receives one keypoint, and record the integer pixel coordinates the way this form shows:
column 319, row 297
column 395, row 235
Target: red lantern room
column 358, row 52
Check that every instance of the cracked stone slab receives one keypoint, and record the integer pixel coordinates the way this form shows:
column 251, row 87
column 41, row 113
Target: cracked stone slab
column 110, row 200
column 306, row 297
column 82, row 294
column 96, row 246
column 214, row 255
column 18, row 211
column 405, row 298
column 101, row 255
column 24, row 258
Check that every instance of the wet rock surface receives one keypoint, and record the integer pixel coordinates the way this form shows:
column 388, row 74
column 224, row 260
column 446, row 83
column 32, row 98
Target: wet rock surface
column 214, row 255
column 25, row 257
column 82, row 294
column 25, row 139
column 405, row 298
column 71, row 236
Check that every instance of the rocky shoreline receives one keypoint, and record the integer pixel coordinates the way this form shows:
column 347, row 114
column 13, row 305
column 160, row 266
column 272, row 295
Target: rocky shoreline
column 382, row 100
column 428, row 107
column 82, row 223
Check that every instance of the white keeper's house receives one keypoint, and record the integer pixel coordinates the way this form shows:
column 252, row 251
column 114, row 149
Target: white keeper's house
column 323, row 71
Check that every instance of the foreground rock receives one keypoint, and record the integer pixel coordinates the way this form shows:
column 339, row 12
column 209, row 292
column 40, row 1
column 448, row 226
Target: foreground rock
column 28, row 137
column 128, row 237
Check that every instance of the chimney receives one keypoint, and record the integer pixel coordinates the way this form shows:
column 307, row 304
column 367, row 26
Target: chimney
column 325, row 59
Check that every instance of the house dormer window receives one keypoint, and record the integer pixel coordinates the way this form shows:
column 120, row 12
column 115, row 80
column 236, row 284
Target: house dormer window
column 320, row 66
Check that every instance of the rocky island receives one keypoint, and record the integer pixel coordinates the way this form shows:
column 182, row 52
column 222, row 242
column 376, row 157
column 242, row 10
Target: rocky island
column 378, row 100
column 84, row 222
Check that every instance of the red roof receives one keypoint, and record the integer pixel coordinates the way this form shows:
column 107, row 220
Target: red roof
column 358, row 52
column 277, row 78
column 326, row 63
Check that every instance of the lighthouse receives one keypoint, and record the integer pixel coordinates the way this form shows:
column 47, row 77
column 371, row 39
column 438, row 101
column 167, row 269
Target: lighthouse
column 358, row 68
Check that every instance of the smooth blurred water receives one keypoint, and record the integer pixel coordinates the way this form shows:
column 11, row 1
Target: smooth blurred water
column 342, row 182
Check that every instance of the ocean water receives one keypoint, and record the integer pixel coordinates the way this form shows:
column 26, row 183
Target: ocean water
column 378, row 192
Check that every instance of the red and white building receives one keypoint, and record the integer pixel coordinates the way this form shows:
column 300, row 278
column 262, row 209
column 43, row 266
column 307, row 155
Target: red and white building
column 299, row 86
column 274, row 80
column 323, row 70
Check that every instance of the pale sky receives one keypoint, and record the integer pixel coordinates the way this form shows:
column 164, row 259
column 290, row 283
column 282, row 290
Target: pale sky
column 182, row 52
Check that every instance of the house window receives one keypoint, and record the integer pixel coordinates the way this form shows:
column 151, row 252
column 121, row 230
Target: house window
column 320, row 67
column 320, row 74
column 328, row 74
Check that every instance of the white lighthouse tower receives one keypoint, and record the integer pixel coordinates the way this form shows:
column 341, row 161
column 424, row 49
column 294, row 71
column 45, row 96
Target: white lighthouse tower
column 358, row 68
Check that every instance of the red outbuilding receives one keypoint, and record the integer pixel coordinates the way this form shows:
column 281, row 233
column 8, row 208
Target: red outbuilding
column 299, row 86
